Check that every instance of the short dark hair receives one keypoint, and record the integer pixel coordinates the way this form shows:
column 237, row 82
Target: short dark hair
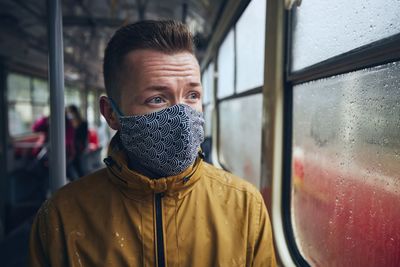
column 166, row 36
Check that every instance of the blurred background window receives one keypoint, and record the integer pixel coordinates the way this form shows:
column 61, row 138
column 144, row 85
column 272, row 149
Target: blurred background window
column 251, row 44
column 240, row 136
column 241, row 68
column 72, row 96
column 27, row 101
column 208, row 91
column 208, row 84
column 226, row 66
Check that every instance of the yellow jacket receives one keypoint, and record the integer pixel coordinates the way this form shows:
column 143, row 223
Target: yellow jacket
column 118, row 217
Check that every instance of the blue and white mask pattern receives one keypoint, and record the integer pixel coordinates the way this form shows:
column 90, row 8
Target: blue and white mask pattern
column 166, row 141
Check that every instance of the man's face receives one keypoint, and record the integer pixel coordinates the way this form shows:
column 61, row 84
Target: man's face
column 153, row 80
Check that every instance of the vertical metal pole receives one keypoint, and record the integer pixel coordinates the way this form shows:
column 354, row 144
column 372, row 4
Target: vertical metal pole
column 184, row 11
column 56, row 81
column 97, row 115
column 84, row 96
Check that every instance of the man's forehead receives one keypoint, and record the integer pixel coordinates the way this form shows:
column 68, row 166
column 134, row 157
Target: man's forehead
column 143, row 69
column 147, row 57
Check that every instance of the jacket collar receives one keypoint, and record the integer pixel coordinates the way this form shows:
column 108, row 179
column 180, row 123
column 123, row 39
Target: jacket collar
column 137, row 186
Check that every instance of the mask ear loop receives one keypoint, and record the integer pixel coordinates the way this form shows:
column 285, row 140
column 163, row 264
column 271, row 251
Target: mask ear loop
column 115, row 107
column 119, row 114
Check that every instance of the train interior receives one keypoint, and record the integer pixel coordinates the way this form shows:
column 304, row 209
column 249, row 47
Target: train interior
column 24, row 49
column 301, row 99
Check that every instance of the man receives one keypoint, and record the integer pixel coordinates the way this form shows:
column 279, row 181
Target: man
column 157, row 203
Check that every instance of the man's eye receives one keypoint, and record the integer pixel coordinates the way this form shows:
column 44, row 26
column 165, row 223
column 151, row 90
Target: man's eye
column 156, row 100
column 194, row 95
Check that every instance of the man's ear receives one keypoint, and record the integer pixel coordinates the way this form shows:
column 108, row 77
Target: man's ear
column 108, row 113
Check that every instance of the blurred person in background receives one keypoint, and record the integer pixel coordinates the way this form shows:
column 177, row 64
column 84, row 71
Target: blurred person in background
column 43, row 125
column 40, row 166
column 80, row 137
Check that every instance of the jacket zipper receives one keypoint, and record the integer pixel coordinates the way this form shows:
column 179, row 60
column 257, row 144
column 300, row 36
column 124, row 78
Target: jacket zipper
column 159, row 230
column 159, row 224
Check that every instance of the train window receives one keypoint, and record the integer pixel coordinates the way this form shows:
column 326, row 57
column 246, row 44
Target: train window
column 208, row 89
column 205, row 85
column 39, row 111
column 27, row 101
column 208, row 120
column 40, row 91
column 91, row 107
column 19, row 87
column 208, row 84
column 226, row 66
column 241, row 70
column 72, row 96
column 250, row 56
column 19, row 118
column 240, row 152
column 345, row 200
column 323, row 29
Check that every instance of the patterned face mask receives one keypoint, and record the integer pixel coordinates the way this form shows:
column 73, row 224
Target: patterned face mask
column 167, row 141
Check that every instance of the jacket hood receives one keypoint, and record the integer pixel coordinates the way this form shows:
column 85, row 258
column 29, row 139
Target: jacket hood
column 135, row 185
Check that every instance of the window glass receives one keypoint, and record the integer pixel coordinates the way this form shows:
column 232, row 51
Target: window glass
column 205, row 85
column 38, row 111
column 72, row 96
column 226, row 67
column 323, row 29
column 40, row 91
column 208, row 83
column 250, row 56
column 19, row 88
column 240, row 137
column 90, row 109
column 19, row 118
column 345, row 168
column 208, row 120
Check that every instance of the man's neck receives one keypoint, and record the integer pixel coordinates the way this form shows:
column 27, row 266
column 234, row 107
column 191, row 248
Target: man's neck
column 134, row 164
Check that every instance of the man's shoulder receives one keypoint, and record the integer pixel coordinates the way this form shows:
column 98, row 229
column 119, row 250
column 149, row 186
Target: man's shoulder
column 94, row 183
column 230, row 182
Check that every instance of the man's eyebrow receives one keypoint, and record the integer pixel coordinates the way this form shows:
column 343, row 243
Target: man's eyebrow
column 157, row 88
column 165, row 88
column 194, row 84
